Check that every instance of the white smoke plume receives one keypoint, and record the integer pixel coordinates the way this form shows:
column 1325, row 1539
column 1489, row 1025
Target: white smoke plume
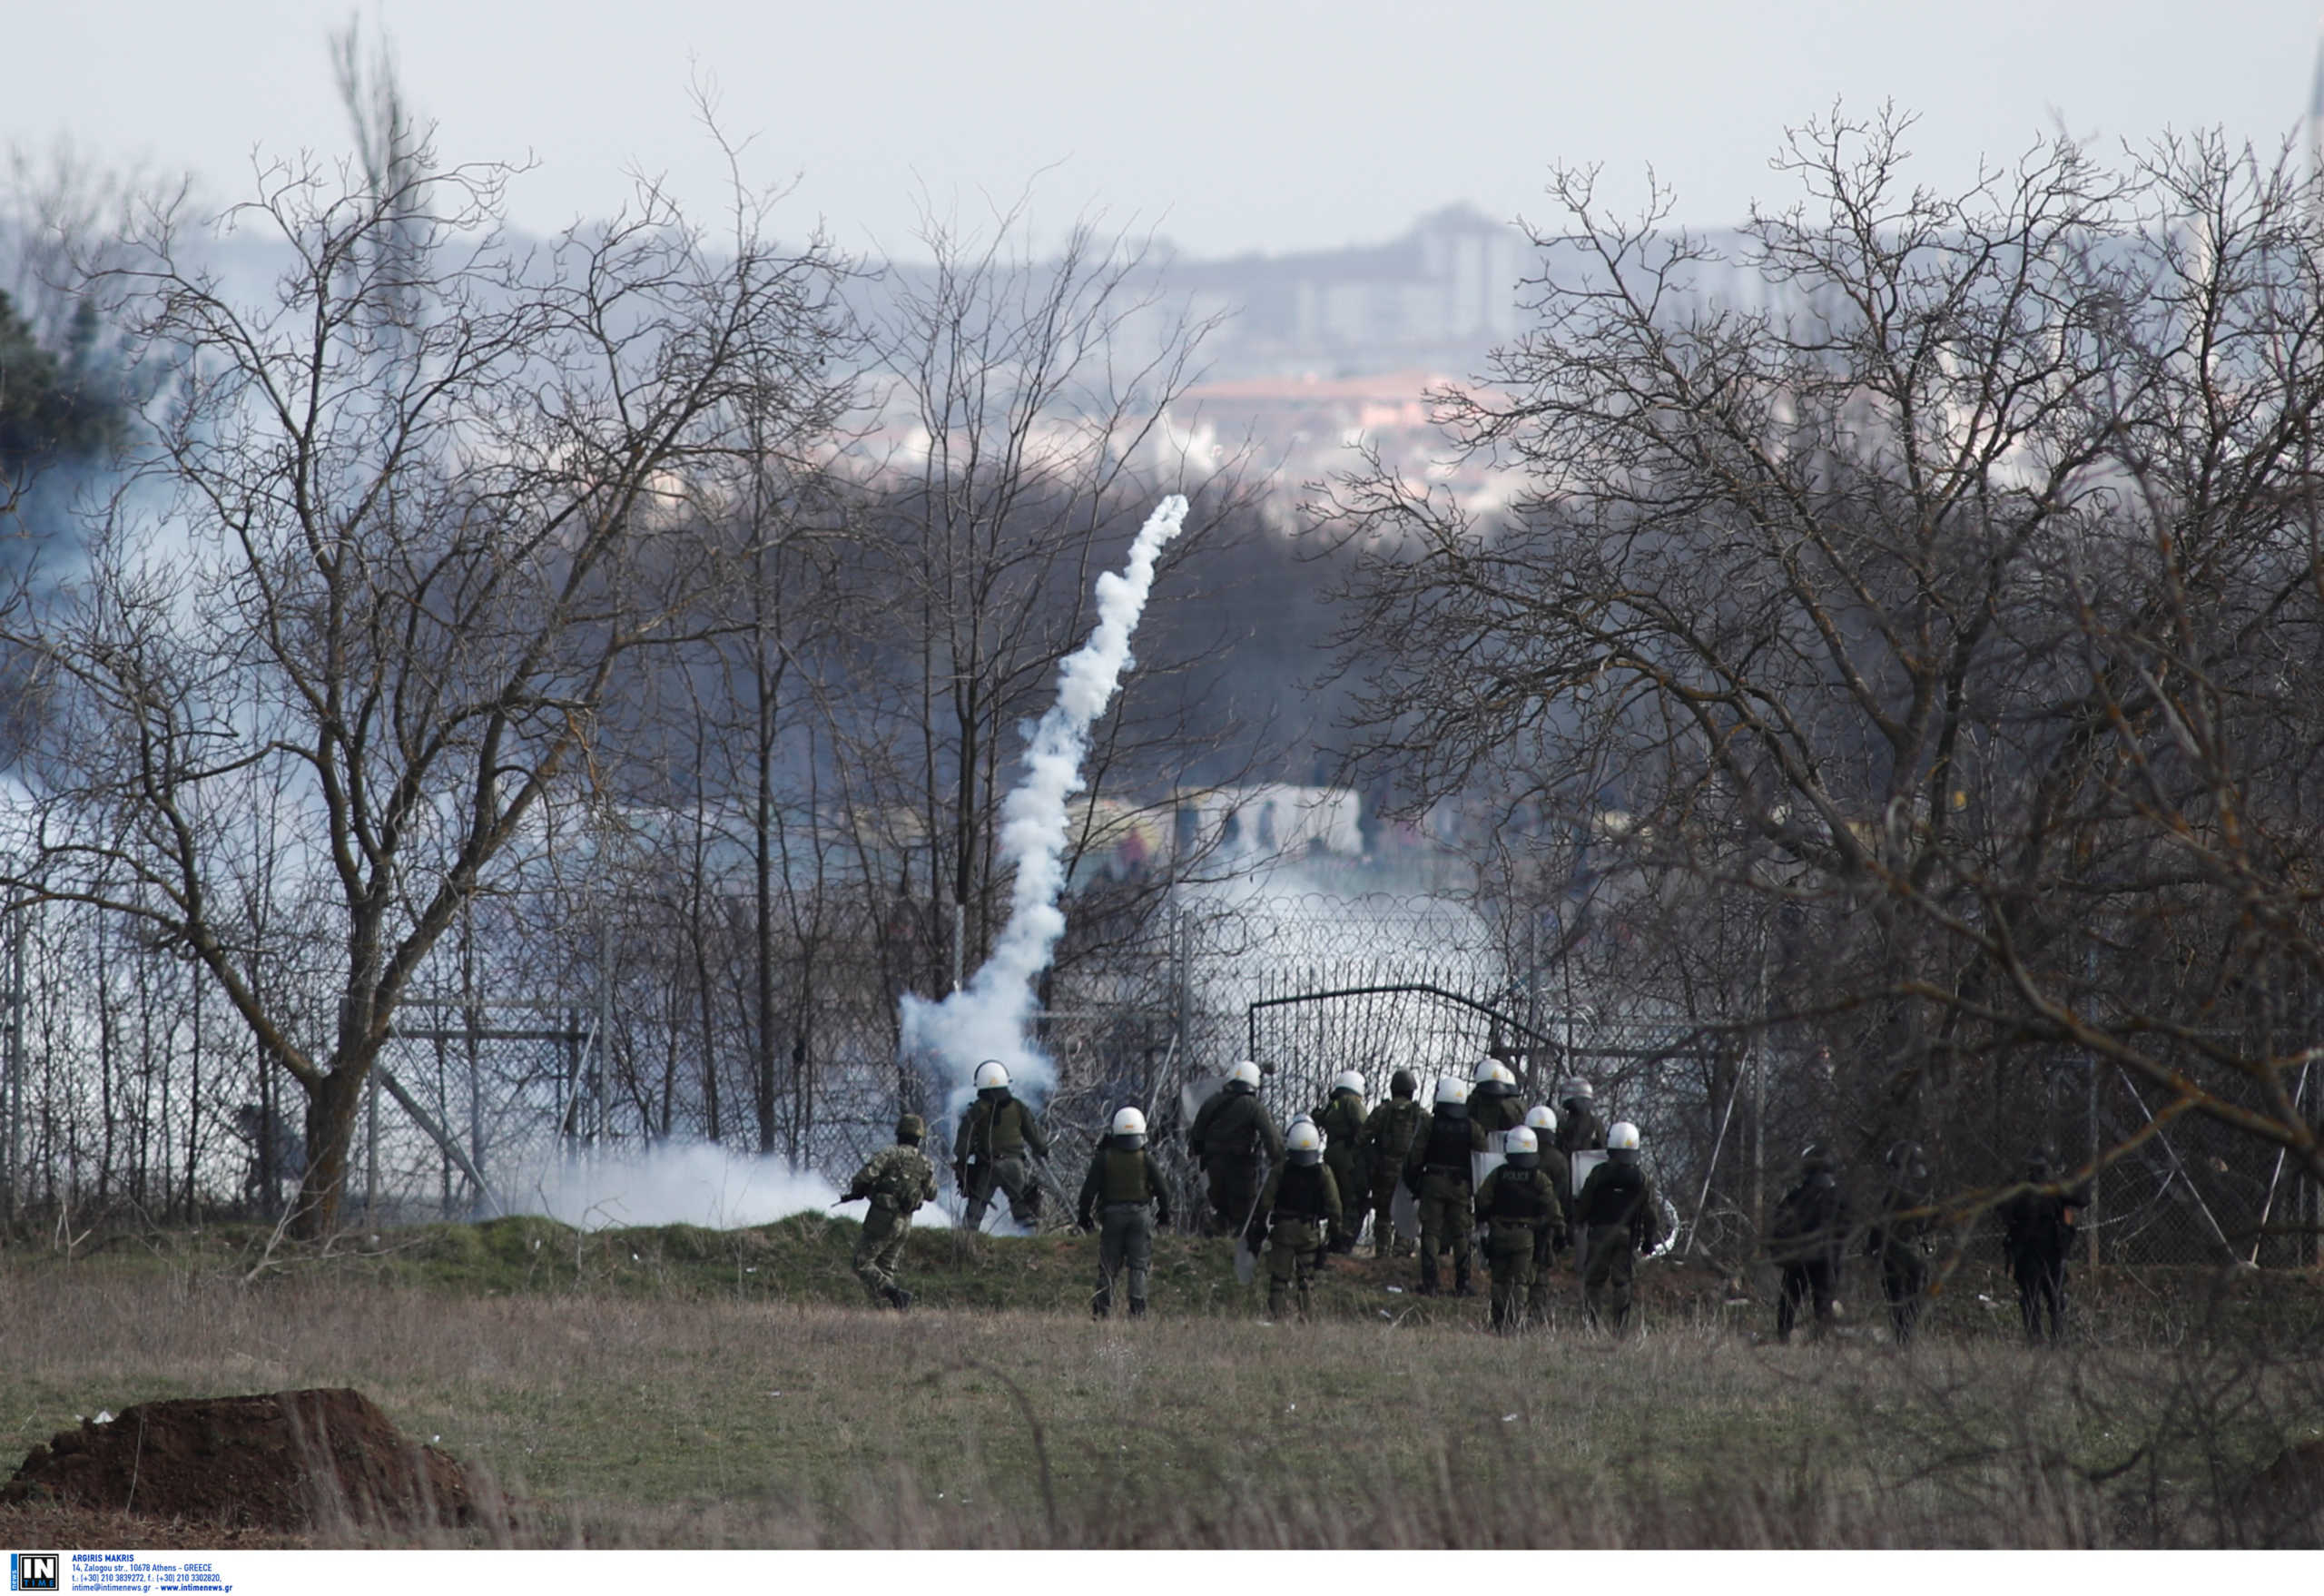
column 696, row 1184
column 986, row 1018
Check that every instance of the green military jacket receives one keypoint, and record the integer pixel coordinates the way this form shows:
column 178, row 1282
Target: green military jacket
column 1548, row 1203
column 897, row 1177
column 1235, row 1124
column 1491, row 1114
column 998, row 1130
column 1341, row 1122
column 1118, row 1176
column 1602, row 1201
column 1388, row 1133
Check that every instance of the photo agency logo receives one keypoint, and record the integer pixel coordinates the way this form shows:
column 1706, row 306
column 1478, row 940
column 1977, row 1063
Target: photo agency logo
column 31, row 1570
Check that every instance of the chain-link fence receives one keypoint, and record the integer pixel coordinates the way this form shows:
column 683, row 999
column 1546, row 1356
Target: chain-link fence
column 131, row 1087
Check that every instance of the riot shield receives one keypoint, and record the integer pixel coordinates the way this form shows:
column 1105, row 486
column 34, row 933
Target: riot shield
column 1581, row 1162
column 1194, row 1094
column 1403, row 1212
column 1495, row 1155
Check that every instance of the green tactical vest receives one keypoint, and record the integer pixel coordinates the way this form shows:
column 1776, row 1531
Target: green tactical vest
column 1395, row 1140
column 1121, row 1177
column 900, row 1181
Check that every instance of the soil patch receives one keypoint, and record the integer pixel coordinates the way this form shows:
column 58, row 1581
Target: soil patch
column 290, row 1460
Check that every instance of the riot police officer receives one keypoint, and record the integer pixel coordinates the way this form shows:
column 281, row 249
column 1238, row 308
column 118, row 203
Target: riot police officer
column 1438, row 1172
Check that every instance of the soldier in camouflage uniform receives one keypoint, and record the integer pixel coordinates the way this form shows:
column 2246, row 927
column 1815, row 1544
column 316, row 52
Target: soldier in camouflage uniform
column 897, row 1180
column 1518, row 1204
column 1341, row 1120
column 1230, row 1137
column 1124, row 1178
column 1543, row 1121
column 1386, row 1142
column 1438, row 1172
column 1620, row 1215
column 1299, row 1203
column 991, row 1149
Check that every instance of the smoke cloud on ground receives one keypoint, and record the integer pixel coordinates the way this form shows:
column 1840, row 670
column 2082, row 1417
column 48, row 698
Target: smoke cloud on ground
column 696, row 1184
column 988, row 1017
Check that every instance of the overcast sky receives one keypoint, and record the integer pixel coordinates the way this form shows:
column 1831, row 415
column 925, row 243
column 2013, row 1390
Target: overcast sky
column 1227, row 125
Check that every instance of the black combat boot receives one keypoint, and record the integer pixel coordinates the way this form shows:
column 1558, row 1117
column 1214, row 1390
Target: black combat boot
column 1137, row 1307
column 899, row 1298
column 1461, row 1285
column 1101, row 1303
column 1428, row 1278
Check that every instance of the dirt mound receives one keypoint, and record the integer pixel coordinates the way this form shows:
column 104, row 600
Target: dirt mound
column 293, row 1460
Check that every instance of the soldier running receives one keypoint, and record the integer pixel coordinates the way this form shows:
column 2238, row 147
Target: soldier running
column 897, row 1180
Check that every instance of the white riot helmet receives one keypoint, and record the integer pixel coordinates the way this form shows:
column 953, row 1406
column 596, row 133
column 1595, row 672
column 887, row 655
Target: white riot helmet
column 1452, row 1088
column 1349, row 1080
column 1622, row 1136
column 1521, row 1143
column 1129, row 1126
column 1304, row 1143
column 1543, row 1117
column 992, row 1073
column 1245, row 1075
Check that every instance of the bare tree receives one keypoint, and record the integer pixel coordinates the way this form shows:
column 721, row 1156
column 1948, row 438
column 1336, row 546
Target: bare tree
column 1939, row 571
column 1025, row 407
column 396, row 527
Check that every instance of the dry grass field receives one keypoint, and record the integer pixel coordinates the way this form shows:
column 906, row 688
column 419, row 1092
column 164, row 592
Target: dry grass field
column 661, row 1406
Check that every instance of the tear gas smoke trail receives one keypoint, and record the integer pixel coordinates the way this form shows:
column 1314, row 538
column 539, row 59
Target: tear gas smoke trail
column 987, row 1017
column 689, row 1184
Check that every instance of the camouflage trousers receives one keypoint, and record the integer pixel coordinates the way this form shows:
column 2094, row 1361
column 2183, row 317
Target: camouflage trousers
column 1605, row 1277
column 1446, row 1217
column 1125, row 1243
column 1510, row 1255
column 880, row 1249
column 1292, row 1246
column 1012, row 1174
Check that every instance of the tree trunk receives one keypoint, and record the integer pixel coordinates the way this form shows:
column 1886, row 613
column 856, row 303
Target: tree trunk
column 333, row 1106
